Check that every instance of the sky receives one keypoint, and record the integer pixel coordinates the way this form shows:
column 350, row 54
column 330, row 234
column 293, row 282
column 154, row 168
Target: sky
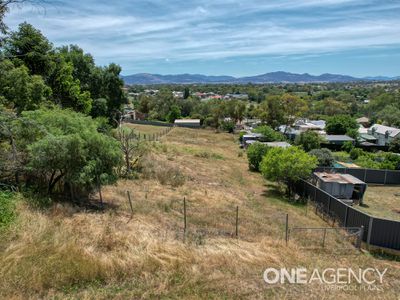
column 226, row 37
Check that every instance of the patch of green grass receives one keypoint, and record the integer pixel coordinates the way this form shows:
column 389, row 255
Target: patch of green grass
column 7, row 208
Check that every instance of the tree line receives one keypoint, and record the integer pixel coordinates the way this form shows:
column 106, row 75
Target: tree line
column 57, row 113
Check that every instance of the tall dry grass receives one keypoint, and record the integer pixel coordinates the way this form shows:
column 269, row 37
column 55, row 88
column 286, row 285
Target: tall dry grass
column 66, row 252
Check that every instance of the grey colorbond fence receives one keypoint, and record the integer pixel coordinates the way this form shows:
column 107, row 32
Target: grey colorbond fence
column 377, row 231
column 144, row 122
column 367, row 175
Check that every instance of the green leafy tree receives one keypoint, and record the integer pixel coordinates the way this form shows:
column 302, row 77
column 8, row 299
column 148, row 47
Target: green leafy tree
column 28, row 46
column 228, row 126
column 308, row 140
column 271, row 111
column 390, row 115
column 324, row 156
column 186, row 93
column 175, row 113
column 293, row 108
column 65, row 151
column 66, row 89
column 287, row 166
column 270, row 135
column 22, row 91
column 99, row 108
column 394, row 145
column 255, row 154
column 340, row 124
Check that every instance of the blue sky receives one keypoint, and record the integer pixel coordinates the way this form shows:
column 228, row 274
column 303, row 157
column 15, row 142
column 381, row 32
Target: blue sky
column 239, row 38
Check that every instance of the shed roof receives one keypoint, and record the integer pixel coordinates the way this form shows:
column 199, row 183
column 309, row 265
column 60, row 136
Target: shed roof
column 186, row 121
column 339, row 178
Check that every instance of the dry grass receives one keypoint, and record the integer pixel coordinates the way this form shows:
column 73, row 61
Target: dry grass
column 382, row 201
column 146, row 129
column 67, row 253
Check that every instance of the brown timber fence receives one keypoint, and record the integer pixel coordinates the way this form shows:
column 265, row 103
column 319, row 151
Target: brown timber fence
column 377, row 231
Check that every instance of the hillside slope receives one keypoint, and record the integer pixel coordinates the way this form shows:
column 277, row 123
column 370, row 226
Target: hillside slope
column 86, row 254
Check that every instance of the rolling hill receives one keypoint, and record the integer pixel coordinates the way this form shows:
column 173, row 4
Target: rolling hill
column 272, row 77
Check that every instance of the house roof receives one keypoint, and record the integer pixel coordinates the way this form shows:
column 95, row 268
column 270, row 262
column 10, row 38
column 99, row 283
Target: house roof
column 339, row 178
column 362, row 120
column 381, row 129
column 367, row 137
column 338, row 138
column 278, row 144
column 186, row 121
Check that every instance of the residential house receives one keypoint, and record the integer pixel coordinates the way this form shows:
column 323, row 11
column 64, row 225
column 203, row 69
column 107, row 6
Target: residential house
column 384, row 134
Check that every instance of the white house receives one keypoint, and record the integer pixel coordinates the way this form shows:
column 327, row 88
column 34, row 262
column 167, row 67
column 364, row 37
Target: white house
column 384, row 134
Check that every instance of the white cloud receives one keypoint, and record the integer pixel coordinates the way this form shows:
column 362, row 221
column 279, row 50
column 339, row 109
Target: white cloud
column 221, row 29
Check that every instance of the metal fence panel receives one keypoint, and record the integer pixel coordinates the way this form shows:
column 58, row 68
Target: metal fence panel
column 375, row 176
column 359, row 173
column 393, row 177
column 385, row 233
column 338, row 209
column 367, row 175
column 356, row 218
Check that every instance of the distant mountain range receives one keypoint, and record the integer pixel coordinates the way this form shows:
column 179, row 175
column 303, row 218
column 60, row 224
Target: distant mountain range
column 273, row 77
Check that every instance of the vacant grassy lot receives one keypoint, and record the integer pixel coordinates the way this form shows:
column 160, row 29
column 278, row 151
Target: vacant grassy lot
column 67, row 252
column 382, row 201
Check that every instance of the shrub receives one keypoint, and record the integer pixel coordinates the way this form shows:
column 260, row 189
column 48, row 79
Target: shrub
column 347, row 146
column 287, row 166
column 340, row 124
column 7, row 209
column 270, row 135
column 356, row 153
column 228, row 126
column 324, row 156
column 255, row 154
column 394, row 145
column 166, row 173
column 308, row 140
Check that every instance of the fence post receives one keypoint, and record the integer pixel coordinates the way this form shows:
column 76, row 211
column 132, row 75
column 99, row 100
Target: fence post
column 365, row 174
column 371, row 221
column 184, row 217
column 323, row 239
column 99, row 187
column 237, row 222
column 345, row 217
column 384, row 182
column 329, row 204
column 130, row 202
column 360, row 236
column 287, row 229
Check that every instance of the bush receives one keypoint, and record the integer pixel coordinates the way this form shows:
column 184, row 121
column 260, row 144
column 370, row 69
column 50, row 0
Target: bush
column 308, row 140
column 394, row 145
column 228, row 126
column 340, row 124
column 287, row 166
column 347, row 146
column 7, row 209
column 166, row 173
column 356, row 153
column 270, row 135
column 255, row 154
column 324, row 156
